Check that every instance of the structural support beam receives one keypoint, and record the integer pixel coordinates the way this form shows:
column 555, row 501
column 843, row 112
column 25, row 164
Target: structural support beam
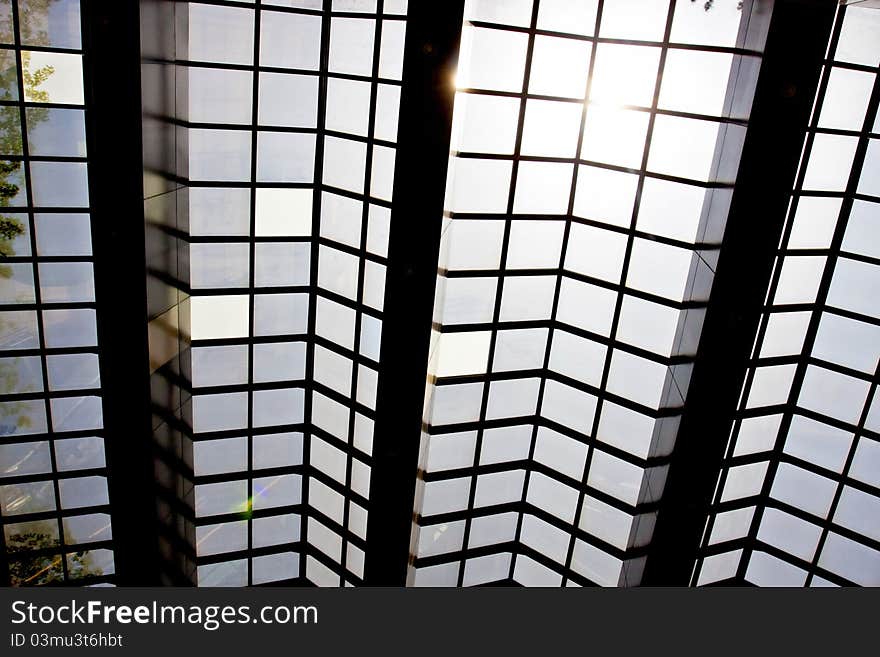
column 795, row 47
column 430, row 55
column 111, row 71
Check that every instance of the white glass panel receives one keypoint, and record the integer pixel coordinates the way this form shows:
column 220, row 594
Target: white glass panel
column 634, row 19
column 220, row 34
column 846, row 99
column 563, row 454
column 605, row 195
column 614, row 136
column 559, row 67
column 491, row 59
column 551, row 128
column 283, row 212
column 695, row 81
column 637, row 65
column 572, row 16
column 535, row 244
column 351, row 45
column 484, row 124
column 289, row 40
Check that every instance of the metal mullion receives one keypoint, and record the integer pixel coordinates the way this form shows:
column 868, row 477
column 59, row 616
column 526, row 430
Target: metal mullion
column 499, row 289
column 317, row 182
column 432, row 41
column 254, row 129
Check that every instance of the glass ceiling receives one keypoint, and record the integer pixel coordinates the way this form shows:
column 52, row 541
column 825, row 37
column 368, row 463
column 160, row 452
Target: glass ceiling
column 269, row 234
column 595, row 148
column 798, row 501
column 53, row 479
column 594, row 151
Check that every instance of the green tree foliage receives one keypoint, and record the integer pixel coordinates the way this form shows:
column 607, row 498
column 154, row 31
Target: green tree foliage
column 33, row 568
column 33, row 28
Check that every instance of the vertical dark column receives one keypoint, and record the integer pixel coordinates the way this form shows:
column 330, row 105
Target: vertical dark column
column 111, row 70
column 430, row 55
column 795, row 48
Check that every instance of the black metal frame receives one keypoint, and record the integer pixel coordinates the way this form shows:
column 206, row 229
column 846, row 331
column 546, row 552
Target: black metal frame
column 788, row 409
column 788, row 80
column 111, row 42
column 431, row 51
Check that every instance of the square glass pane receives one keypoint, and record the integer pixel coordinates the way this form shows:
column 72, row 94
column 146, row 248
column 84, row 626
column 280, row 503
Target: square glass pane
column 219, row 95
column 73, row 371
column 67, row 282
column 485, row 124
column 718, row 27
column 60, row 184
column 643, row 20
column 572, row 16
column 829, row 163
column 605, row 195
column 52, row 77
column 220, row 34
column 219, row 265
column 695, row 81
column 290, row 40
column 59, row 132
column 351, row 45
column 348, row 106
column 18, row 283
column 280, row 264
column 220, row 155
column 284, row 212
column 21, row 374
column 279, row 361
column 55, row 23
column 551, row 128
column 285, row 157
column 280, row 314
column 683, row 147
column 624, row 74
column 480, row 185
column 15, row 239
column 543, row 188
column 846, row 99
column 218, row 211
column 614, row 136
column 345, row 163
column 288, row 100
column 535, row 244
column 491, row 59
column 70, row 328
column 559, row 67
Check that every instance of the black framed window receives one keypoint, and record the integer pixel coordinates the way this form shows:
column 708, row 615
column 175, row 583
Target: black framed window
column 797, row 498
column 54, row 499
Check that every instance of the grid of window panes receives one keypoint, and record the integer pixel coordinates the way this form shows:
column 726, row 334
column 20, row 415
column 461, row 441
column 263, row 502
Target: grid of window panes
column 595, row 149
column 286, row 120
column 364, row 64
column 53, row 486
column 798, row 501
